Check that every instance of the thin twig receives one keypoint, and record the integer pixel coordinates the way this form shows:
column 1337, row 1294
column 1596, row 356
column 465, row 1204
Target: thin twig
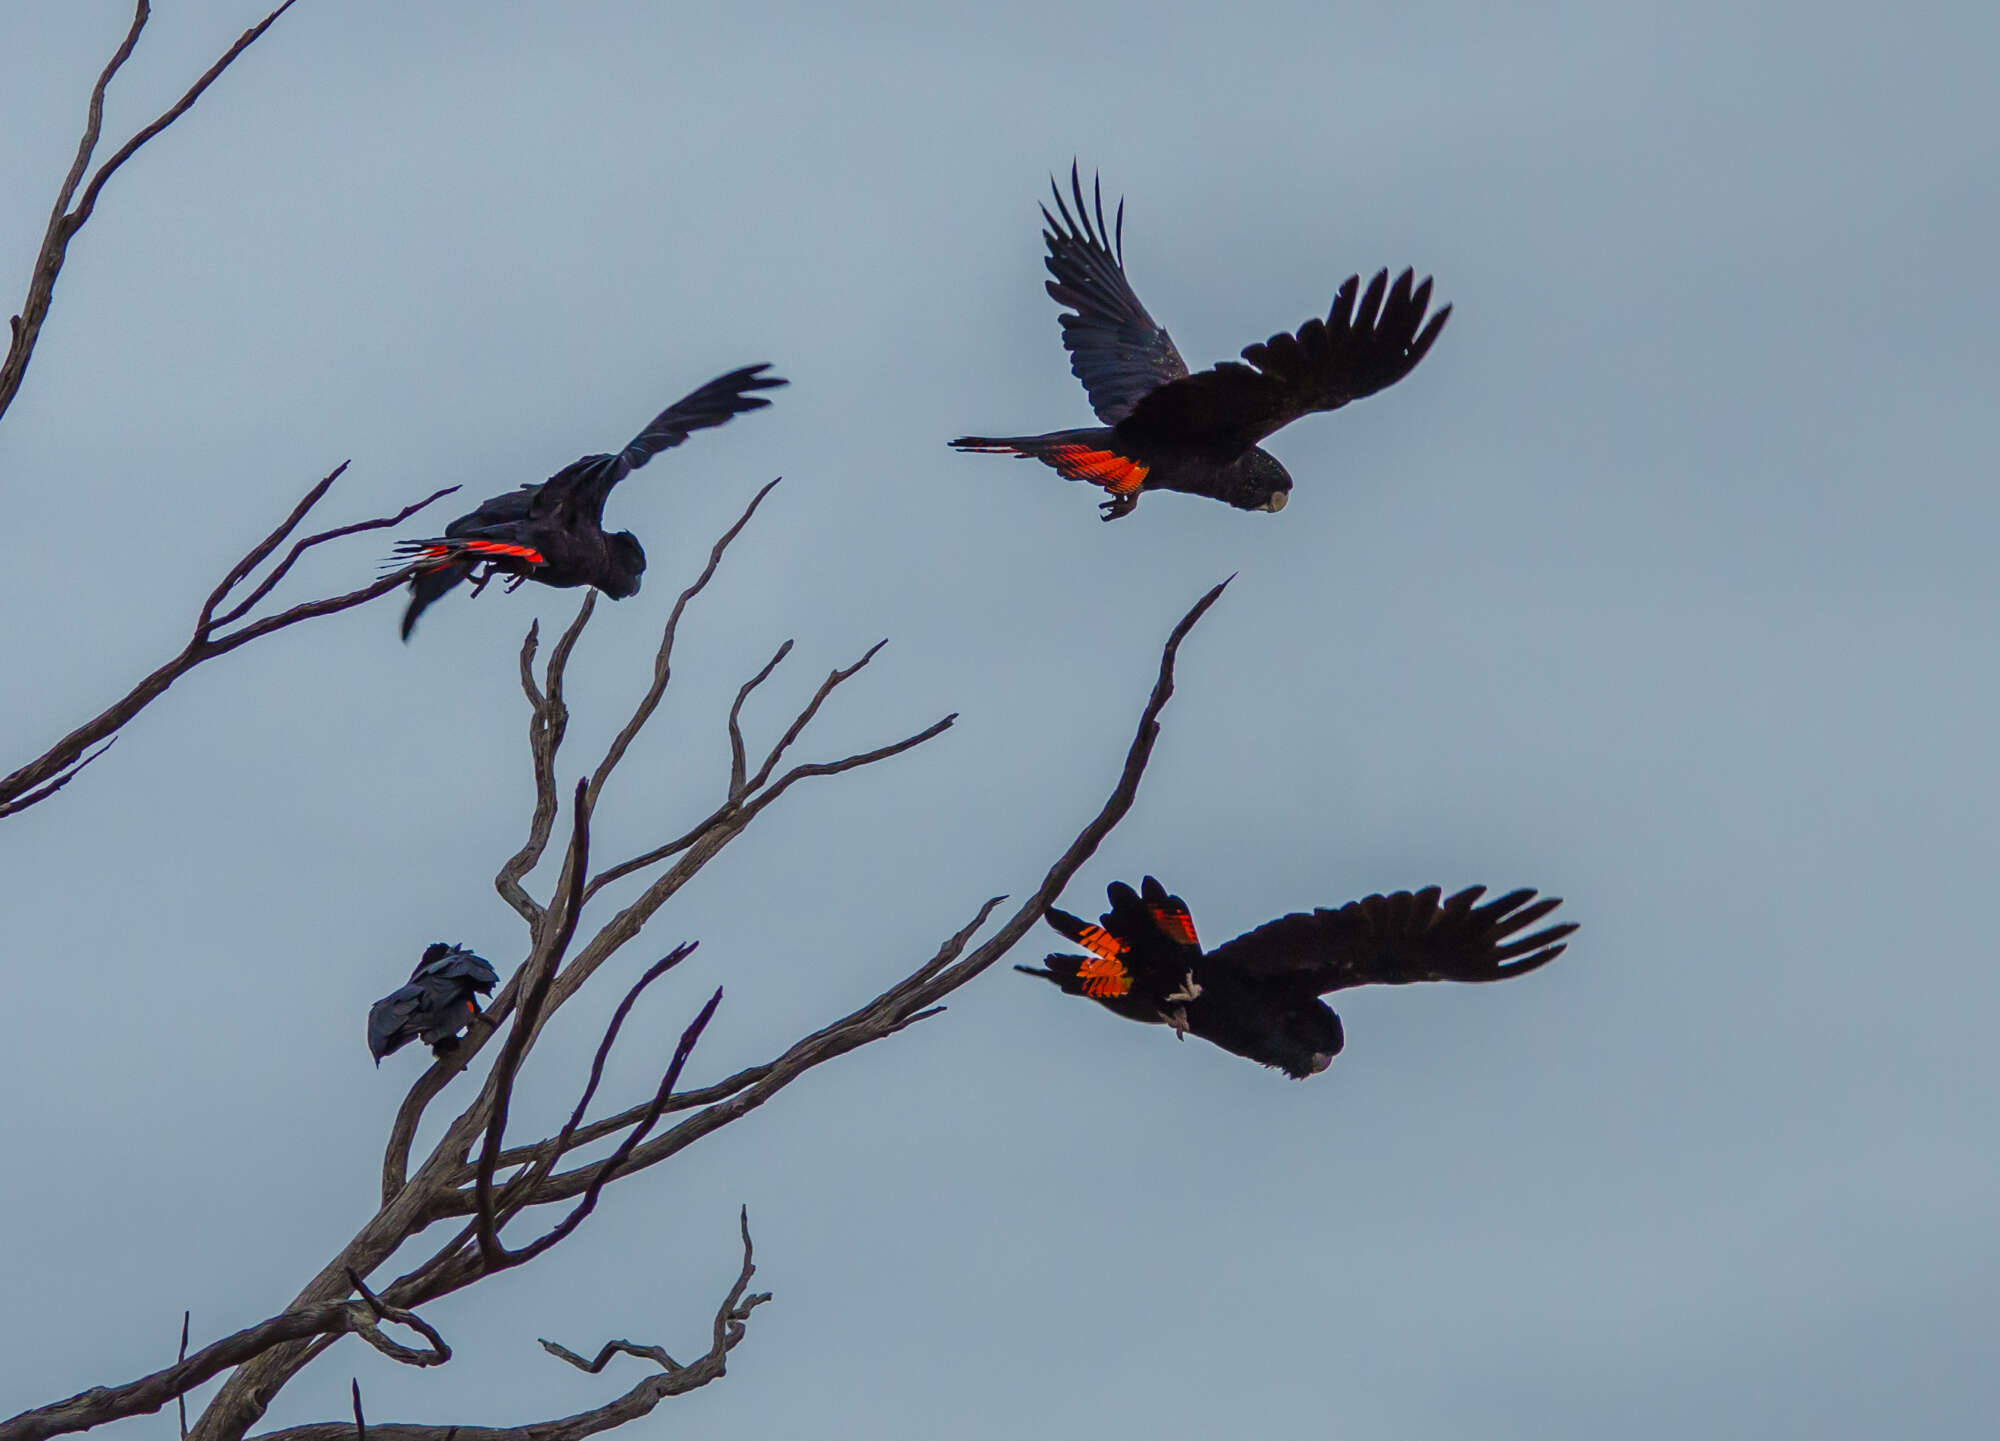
column 804, row 718
column 44, row 792
column 26, row 328
column 181, row 1400
column 172, row 113
column 735, row 816
column 663, row 660
column 299, row 548
column 565, row 1139
column 656, row 1354
column 61, row 761
column 738, row 763
column 437, row 1353
column 526, row 1014
column 548, row 722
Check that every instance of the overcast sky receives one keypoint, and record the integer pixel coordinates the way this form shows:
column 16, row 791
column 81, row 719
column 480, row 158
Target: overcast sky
column 1665, row 585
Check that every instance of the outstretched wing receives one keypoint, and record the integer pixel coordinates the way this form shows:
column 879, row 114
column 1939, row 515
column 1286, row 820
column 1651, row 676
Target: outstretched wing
column 1116, row 349
column 577, row 492
column 1396, row 939
column 722, row 399
column 1358, row 349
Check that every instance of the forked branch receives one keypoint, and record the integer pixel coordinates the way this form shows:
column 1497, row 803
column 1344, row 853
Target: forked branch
column 65, row 221
column 727, row 1332
column 214, row 635
column 471, row 1174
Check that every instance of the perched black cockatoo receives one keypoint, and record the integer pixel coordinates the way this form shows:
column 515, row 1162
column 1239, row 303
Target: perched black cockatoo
column 1165, row 429
column 553, row 532
column 435, row 1006
column 1259, row 995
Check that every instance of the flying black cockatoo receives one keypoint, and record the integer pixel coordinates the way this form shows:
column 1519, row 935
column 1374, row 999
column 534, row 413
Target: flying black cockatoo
column 553, row 532
column 1167, row 430
column 435, row 1006
column 1259, row 995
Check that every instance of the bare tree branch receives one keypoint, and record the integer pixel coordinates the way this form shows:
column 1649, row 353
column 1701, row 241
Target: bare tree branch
column 918, row 993
column 738, row 762
column 805, row 717
column 26, row 328
column 462, row 1176
column 663, row 661
column 68, row 774
column 736, row 814
column 548, row 721
column 727, row 1333
column 180, row 1401
column 148, row 1394
column 565, row 1139
column 435, row 1354
column 526, row 1015
column 59, row 764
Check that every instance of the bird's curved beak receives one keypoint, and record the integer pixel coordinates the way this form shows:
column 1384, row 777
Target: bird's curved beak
column 1277, row 502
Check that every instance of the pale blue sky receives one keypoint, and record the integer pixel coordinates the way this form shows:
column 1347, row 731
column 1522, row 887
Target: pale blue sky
column 1665, row 585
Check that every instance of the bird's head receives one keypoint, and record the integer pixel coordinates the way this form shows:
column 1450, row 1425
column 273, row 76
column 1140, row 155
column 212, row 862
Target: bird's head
column 630, row 559
column 1261, row 482
column 1312, row 1038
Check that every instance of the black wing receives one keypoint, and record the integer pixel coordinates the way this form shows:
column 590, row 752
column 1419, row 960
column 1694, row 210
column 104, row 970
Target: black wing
column 391, row 1021
column 514, row 505
column 720, row 400
column 577, row 492
column 446, row 963
column 1396, row 939
column 1116, row 349
column 1357, row 350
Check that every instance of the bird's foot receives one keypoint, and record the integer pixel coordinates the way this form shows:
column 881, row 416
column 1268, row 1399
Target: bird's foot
column 1190, row 990
column 515, row 582
column 1177, row 1018
column 1118, row 505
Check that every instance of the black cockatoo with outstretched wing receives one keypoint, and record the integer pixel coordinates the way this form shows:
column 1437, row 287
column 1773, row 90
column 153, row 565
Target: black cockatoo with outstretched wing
column 1165, row 429
column 1259, row 995
column 552, row 532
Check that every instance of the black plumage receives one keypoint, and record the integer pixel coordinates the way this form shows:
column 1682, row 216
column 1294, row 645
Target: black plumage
column 1165, row 429
column 552, row 532
column 1259, row 995
column 435, row 1006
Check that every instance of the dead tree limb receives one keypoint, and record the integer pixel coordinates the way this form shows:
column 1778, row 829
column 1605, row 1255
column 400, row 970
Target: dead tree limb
column 672, row 1380
column 471, row 1182
column 214, row 635
column 65, row 221
column 148, row 1394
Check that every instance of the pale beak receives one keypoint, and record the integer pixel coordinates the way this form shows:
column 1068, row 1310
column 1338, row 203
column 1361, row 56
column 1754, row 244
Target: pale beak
column 1277, row 502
